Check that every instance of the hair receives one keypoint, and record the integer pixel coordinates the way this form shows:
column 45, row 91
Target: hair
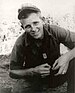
column 26, row 15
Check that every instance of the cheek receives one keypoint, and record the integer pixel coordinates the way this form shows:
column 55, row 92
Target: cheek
column 40, row 26
column 28, row 30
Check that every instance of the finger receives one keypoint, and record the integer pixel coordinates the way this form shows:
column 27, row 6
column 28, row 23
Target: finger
column 45, row 71
column 44, row 75
column 55, row 68
column 54, row 64
column 63, row 72
column 60, row 71
column 47, row 66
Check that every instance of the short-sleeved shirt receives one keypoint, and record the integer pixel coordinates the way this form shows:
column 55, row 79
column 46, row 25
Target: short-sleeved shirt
column 27, row 54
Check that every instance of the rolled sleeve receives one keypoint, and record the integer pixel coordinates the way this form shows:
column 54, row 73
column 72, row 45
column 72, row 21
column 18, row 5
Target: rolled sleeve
column 17, row 58
column 64, row 36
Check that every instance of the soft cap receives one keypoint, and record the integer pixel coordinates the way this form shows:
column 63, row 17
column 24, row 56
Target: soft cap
column 26, row 8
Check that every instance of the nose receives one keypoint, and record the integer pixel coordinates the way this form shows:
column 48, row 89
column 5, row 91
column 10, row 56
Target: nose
column 33, row 28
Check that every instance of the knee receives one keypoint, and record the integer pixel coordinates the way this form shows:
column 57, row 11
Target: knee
column 71, row 66
column 21, row 87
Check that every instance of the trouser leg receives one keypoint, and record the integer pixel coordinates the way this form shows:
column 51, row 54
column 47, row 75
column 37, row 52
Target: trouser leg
column 71, row 77
column 27, row 86
column 21, row 86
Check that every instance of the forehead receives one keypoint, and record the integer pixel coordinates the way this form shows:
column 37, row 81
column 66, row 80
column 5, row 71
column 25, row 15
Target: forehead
column 31, row 18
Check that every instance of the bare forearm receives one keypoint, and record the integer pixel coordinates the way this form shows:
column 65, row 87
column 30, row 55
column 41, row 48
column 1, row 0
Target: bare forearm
column 42, row 70
column 21, row 73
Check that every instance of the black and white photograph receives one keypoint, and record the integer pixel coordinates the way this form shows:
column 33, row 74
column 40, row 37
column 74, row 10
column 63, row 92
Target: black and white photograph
column 37, row 46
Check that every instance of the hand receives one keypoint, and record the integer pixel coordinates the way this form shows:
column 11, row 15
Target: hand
column 62, row 64
column 43, row 69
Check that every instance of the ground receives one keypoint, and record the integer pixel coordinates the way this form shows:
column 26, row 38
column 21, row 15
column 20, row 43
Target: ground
column 7, row 83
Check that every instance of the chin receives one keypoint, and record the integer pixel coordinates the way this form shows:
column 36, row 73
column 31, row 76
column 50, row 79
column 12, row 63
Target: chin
column 37, row 37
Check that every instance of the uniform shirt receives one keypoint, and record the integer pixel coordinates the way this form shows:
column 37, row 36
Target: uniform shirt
column 27, row 54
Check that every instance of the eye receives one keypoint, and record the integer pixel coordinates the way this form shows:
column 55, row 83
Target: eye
column 27, row 26
column 36, row 23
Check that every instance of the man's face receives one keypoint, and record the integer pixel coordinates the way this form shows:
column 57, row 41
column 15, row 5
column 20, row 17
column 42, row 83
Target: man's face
column 33, row 25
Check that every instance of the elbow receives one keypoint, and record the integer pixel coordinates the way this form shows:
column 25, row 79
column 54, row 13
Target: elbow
column 12, row 75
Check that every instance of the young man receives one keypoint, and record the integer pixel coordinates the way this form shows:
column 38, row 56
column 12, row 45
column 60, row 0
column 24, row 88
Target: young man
column 35, row 58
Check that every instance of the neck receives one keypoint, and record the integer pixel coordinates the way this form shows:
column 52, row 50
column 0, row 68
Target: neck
column 39, row 42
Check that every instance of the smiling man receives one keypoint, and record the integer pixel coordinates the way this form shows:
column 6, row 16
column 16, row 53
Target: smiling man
column 35, row 58
column 33, row 27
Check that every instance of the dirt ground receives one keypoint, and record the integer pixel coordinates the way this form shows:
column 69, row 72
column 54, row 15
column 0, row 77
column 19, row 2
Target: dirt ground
column 7, row 83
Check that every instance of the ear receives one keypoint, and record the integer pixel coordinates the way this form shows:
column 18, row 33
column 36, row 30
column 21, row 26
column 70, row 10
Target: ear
column 43, row 20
